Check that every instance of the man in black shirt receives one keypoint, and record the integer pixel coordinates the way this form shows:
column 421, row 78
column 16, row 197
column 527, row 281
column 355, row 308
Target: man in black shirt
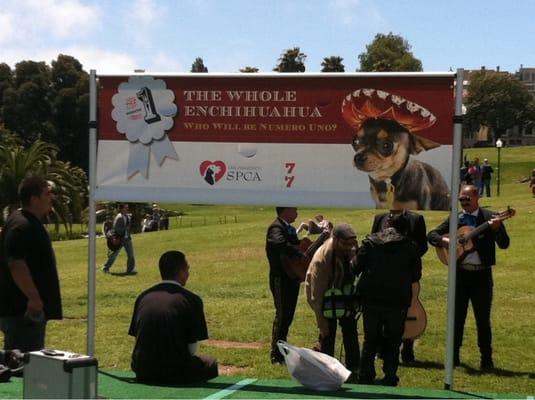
column 29, row 285
column 388, row 263
column 417, row 233
column 167, row 322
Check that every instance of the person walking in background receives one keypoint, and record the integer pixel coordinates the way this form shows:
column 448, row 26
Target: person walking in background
column 168, row 322
column 532, row 182
column 470, row 176
column 474, row 281
column 329, row 268
column 282, row 243
column 417, row 232
column 486, row 177
column 156, row 217
column 121, row 226
column 477, row 178
column 463, row 173
column 164, row 220
column 29, row 285
column 388, row 263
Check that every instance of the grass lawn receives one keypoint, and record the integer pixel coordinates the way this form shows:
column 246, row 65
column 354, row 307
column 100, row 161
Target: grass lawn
column 225, row 247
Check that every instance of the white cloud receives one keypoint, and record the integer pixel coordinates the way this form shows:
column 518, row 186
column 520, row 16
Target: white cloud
column 45, row 20
column 66, row 17
column 161, row 62
column 358, row 12
column 7, row 30
column 103, row 61
column 144, row 13
column 144, row 19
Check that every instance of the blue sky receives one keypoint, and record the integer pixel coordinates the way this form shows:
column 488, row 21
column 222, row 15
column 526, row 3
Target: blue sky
column 167, row 35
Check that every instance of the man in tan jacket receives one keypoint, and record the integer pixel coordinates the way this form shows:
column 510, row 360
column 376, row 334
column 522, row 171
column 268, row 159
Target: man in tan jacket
column 331, row 268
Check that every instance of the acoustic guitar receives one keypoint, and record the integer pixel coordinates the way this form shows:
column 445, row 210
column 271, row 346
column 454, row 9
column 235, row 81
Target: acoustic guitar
column 465, row 235
column 416, row 320
column 296, row 267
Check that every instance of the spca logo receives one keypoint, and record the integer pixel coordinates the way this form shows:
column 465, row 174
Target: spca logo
column 244, row 174
column 212, row 171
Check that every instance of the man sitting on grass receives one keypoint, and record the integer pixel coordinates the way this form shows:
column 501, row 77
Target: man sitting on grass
column 167, row 322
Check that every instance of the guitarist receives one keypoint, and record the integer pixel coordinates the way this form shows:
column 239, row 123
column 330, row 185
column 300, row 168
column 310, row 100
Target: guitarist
column 417, row 232
column 474, row 272
column 282, row 243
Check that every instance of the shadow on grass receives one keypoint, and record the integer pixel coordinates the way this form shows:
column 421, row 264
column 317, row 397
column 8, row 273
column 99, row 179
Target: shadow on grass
column 504, row 373
column 122, row 274
column 423, row 364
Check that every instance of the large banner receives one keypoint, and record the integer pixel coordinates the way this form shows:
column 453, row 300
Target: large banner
column 336, row 140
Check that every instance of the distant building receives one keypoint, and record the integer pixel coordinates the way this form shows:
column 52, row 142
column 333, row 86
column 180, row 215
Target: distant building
column 484, row 137
column 527, row 77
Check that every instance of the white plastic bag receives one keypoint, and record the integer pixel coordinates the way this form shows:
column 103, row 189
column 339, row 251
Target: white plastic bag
column 312, row 369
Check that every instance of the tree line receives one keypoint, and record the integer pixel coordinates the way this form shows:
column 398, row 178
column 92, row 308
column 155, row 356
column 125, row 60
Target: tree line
column 44, row 111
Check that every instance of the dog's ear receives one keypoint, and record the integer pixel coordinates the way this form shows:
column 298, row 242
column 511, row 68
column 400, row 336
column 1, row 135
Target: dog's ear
column 419, row 144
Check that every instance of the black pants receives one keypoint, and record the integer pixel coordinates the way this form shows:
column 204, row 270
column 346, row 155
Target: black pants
column 350, row 338
column 23, row 334
column 285, row 292
column 475, row 287
column 381, row 325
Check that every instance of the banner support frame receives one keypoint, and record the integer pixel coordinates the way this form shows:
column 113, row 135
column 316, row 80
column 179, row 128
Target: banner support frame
column 452, row 248
column 91, row 259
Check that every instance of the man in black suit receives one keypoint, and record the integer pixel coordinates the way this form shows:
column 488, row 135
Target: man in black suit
column 282, row 243
column 418, row 234
column 168, row 322
column 474, row 272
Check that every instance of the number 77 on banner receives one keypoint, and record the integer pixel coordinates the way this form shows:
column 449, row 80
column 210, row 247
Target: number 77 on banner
column 289, row 169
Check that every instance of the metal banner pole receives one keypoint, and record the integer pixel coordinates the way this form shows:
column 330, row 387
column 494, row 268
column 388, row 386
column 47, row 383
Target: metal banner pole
column 452, row 261
column 91, row 273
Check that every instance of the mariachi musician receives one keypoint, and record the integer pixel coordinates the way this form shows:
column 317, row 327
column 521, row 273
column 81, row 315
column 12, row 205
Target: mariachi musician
column 474, row 281
column 282, row 244
column 417, row 233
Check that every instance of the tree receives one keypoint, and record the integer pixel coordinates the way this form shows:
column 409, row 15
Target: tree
column 26, row 104
column 332, row 64
column 292, row 60
column 18, row 162
column 49, row 104
column 388, row 53
column 6, row 81
column 69, row 101
column 198, row 65
column 497, row 100
column 249, row 69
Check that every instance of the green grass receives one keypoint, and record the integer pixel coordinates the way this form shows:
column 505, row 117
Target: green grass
column 229, row 270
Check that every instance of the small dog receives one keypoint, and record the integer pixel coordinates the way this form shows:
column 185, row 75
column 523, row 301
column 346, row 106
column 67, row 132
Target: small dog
column 383, row 148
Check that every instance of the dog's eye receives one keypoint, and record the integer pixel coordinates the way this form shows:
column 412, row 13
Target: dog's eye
column 386, row 147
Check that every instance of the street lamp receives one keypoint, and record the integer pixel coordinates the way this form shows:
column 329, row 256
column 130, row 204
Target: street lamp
column 499, row 145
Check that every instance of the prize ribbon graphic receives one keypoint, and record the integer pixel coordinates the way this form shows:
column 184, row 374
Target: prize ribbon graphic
column 144, row 109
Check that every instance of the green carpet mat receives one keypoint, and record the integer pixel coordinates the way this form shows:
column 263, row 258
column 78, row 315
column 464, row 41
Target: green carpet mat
column 121, row 385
